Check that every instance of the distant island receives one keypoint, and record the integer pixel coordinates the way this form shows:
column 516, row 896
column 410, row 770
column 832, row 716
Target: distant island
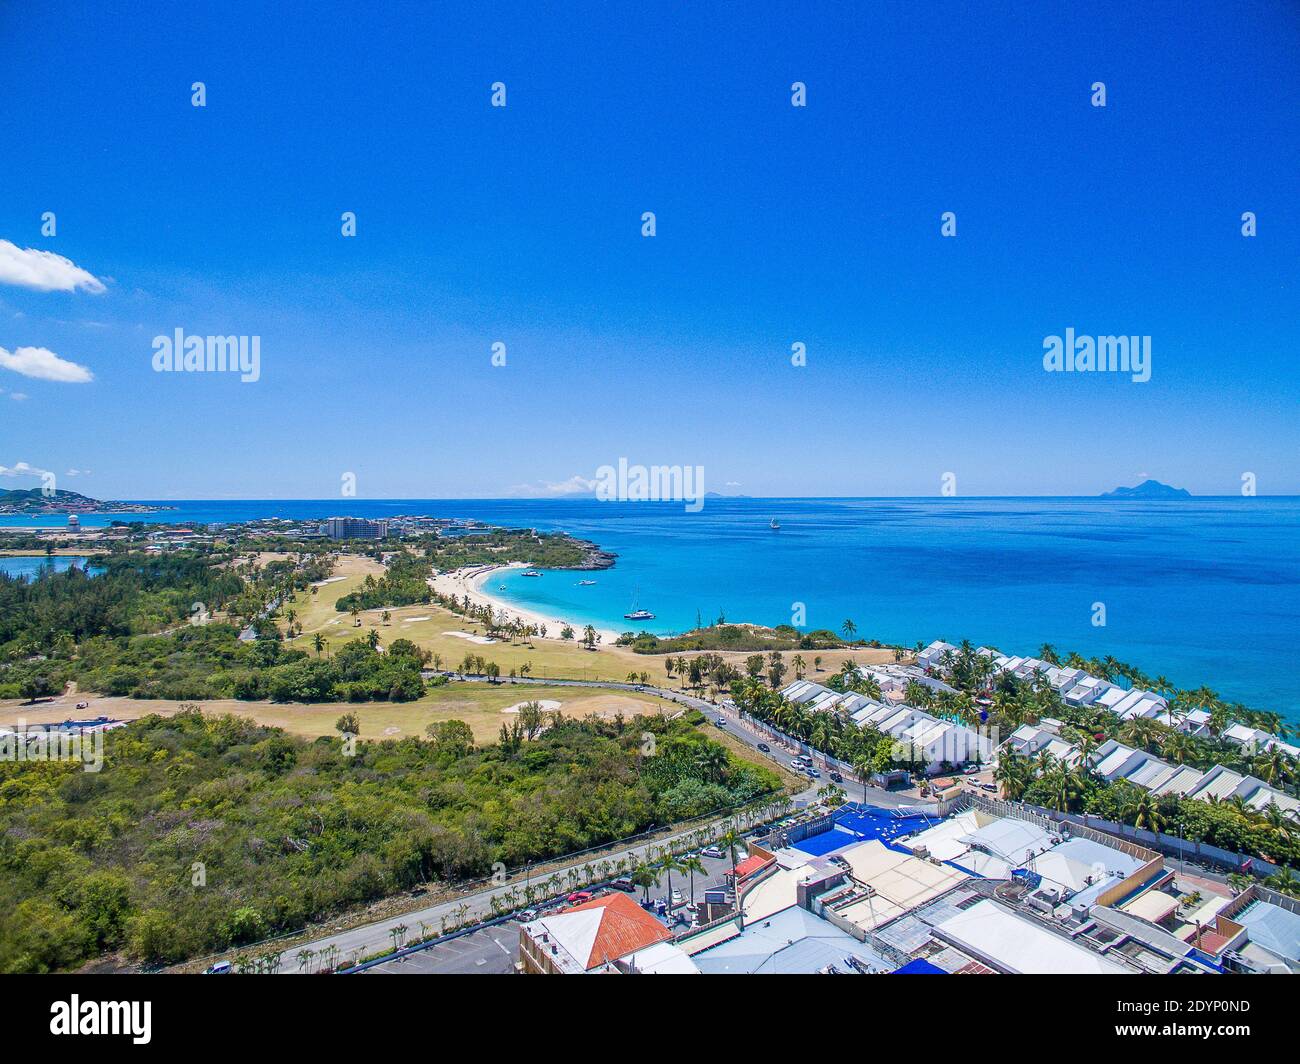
column 1148, row 489
column 35, row 501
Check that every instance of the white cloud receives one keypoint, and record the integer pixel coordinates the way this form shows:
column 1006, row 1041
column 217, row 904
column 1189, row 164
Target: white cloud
column 44, row 365
column 77, row 473
column 44, row 270
column 18, row 397
column 575, row 485
column 21, row 469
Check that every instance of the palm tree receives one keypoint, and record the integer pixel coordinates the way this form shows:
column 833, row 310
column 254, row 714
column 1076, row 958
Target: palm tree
column 1014, row 774
column 849, row 629
column 1285, row 882
column 730, row 843
column 1177, row 745
column 668, row 864
column 645, row 877
column 798, row 663
column 1144, row 810
column 692, row 866
column 712, row 762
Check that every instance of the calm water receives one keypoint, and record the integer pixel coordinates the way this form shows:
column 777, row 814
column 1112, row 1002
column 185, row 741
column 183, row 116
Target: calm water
column 1203, row 590
column 29, row 567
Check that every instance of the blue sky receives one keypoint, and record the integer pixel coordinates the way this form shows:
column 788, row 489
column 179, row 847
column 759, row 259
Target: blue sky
column 775, row 224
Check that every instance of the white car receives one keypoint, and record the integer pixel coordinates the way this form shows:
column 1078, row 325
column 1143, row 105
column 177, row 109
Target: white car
column 678, row 897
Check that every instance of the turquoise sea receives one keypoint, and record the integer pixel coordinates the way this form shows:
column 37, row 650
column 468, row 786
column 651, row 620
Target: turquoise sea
column 1204, row 591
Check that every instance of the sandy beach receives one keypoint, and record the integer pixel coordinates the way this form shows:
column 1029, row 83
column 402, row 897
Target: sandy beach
column 471, row 582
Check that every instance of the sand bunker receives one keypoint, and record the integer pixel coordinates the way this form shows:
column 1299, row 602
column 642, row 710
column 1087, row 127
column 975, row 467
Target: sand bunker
column 546, row 704
column 471, row 637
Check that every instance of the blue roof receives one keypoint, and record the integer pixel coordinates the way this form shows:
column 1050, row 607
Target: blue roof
column 920, row 966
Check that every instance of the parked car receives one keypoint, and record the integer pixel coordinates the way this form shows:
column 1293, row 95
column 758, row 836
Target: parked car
column 220, row 968
column 623, row 883
column 721, row 722
column 970, row 770
column 812, row 772
column 836, row 776
column 989, row 786
column 764, row 748
column 712, row 851
column 678, row 897
column 578, row 897
column 528, row 916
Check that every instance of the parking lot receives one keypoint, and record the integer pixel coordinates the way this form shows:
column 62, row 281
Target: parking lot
column 489, row 951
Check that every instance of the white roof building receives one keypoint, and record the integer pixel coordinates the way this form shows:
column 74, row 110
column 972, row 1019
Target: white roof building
column 929, row 658
column 1013, row 944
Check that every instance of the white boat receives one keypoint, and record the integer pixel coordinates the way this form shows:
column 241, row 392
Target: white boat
column 586, row 583
column 775, row 525
column 637, row 613
column 530, row 572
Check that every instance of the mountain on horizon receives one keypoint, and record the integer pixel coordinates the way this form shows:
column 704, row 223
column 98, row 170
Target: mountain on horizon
column 1148, row 489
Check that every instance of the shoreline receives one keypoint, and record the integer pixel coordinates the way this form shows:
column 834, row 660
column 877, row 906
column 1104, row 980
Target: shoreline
column 462, row 582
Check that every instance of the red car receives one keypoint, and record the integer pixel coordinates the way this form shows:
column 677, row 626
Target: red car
column 579, row 896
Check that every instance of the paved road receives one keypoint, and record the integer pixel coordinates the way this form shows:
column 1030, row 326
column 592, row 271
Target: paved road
column 493, row 950
column 488, row 951
column 373, row 938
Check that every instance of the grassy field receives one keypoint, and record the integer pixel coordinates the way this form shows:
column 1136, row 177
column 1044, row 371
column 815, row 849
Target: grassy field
column 431, row 627
column 479, row 705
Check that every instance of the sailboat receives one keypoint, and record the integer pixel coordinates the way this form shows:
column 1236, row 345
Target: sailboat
column 775, row 525
column 637, row 613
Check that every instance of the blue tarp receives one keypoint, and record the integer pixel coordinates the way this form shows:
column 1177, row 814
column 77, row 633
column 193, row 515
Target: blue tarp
column 857, row 823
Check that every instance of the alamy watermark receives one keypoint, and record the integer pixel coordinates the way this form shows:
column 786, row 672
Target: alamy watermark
column 179, row 353
column 53, row 743
column 1098, row 354
column 638, row 483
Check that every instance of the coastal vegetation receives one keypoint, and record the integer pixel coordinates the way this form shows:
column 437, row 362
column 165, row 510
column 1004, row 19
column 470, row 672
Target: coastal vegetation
column 203, row 833
column 169, row 626
column 722, row 636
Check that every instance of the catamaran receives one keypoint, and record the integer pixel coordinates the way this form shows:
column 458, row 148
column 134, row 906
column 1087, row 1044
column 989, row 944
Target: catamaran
column 637, row 613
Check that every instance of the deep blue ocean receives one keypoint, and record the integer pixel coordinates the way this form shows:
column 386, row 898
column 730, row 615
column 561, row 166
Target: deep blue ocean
column 1203, row 591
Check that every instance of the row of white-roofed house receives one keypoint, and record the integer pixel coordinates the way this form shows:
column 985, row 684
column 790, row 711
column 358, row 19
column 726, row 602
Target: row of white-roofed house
column 1079, row 688
column 921, row 736
column 1113, row 761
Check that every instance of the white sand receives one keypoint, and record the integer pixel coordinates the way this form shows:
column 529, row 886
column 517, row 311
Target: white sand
column 462, row 582
column 328, row 580
column 472, row 637
column 547, row 704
